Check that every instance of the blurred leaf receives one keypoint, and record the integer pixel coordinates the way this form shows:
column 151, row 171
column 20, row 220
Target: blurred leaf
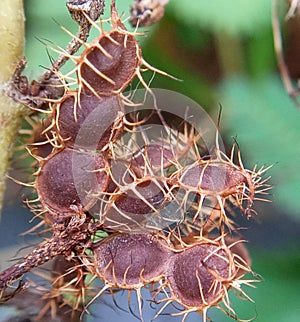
column 192, row 84
column 233, row 17
column 260, row 57
column 266, row 124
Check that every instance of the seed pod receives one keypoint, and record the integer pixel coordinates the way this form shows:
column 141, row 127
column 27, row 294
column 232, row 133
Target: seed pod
column 87, row 121
column 196, row 275
column 212, row 178
column 109, row 63
column 146, row 197
column 137, row 208
column 201, row 273
column 69, row 182
column 222, row 180
column 236, row 246
column 151, row 159
column 130, row 261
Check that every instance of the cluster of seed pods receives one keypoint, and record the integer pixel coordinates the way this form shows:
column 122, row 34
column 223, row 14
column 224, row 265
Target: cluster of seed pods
column 166, row 209
column 196, row 275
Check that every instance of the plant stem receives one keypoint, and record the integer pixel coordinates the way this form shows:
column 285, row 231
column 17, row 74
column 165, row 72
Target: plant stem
column 11, row 112
column 63, row 240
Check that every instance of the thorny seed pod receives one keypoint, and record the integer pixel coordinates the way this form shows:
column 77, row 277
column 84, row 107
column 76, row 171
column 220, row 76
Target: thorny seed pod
column 236, row 246
column 200, row 275
column 138, row 208
column 87, row 121
column 68, row 182
column 213, row 177
column 111, row 61
column 151, row 158
column 110, row 64
column 221, row 179
column 145, row 198
column 152, row 147
column 196, row 274
column 130, row 261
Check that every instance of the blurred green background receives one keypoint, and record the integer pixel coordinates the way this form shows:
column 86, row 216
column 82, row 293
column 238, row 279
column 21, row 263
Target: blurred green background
column 223, row 52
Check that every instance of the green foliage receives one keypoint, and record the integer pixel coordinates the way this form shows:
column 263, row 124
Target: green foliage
column 191, row 83
column 259, row 53
column 233, row 17
column 266, row 123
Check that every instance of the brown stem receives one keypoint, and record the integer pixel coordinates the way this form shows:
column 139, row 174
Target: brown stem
column 79, row 11
column 63, row 240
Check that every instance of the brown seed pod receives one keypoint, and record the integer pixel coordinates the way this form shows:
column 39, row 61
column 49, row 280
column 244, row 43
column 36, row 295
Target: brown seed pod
column 111, row 61
column 110, row 64
column 151, row 158
column 87, row 121
column 69, row 182
column 146, row 197
column 138, row 207
column 152, row 150
column 196, row 273
column 212, row 182
column 212, row 177
column 130, row 261
column 222, row 180
column 236, row 246
column 200, row 275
